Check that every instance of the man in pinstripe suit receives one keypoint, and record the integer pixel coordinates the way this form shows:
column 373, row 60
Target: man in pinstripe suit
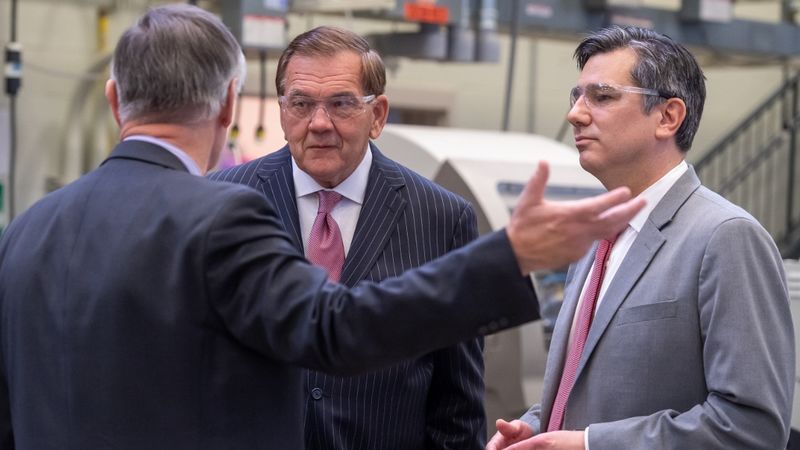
column 391, row 219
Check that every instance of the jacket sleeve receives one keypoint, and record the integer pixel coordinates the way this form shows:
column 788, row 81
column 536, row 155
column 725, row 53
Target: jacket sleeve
column 455, row 417
column 272, row 300
column 533, row 417
column 6, row 430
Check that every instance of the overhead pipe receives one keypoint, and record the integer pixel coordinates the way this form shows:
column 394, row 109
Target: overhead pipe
column 511, row 62
column 461, row 37
column 487, row 47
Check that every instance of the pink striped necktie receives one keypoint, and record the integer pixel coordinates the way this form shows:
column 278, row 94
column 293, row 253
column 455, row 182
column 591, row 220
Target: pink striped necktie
column 584, row 321
column 325, row 247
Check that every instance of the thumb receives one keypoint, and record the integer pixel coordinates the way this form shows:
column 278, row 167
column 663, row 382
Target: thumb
column 533, row 193
column 509, row 430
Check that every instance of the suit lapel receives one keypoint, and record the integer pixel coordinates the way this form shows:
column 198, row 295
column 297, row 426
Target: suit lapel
column 560, row 340
column 277, row 183
column 638, row 258
column 382, row 208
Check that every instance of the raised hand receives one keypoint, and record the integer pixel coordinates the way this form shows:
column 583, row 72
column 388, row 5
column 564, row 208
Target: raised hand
column 548, row 234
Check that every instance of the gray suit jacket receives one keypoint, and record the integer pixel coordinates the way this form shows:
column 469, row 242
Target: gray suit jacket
column 692, row 346
column 431, row 402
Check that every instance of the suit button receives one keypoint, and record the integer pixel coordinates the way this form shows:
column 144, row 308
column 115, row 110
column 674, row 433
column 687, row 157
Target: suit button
column 316, row 393
column 483, row 330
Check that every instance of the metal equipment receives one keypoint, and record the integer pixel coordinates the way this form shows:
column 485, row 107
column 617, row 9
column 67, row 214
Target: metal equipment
column 489, row 169
column 257, row 24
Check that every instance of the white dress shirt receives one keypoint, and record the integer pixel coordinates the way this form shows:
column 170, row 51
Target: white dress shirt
column 653, row 195
column 187, row 161
column 345, row 213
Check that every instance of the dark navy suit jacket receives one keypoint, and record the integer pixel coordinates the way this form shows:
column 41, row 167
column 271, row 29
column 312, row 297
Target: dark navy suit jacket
column 142, row 307
column 432, row 402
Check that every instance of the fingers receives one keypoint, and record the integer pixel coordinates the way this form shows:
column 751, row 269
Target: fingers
column 598, row 204
column 610, row 212
column 497, row 442
column 617, row 217
column 623, row 212
column 561, row 440
column 524, row 445
column 509, row 429
column 533, row 193
column 548, row 234
column 508, row 433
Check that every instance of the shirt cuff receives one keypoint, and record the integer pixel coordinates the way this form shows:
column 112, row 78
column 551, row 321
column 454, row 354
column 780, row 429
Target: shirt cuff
column 586, row 438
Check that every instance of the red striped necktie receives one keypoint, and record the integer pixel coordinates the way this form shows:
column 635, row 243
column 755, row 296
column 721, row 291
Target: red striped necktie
column 582, row 325
column 325, row 247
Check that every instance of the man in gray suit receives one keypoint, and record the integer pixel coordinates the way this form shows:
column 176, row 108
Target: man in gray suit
column 144, row 306
column 391, row 219
column 682, row 338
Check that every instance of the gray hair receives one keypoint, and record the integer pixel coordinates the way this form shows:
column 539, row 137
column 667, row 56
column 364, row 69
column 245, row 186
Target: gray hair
column 175, row 65
column 663, row 65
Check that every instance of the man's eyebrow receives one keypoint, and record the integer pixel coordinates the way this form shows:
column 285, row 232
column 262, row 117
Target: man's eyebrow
column 300, row 92
column 297, row 92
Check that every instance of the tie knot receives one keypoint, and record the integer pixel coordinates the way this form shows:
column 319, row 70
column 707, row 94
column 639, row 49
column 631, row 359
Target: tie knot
column 327, row 201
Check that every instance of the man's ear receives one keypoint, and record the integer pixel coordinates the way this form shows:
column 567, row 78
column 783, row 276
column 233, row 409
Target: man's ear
column 380, row 109
column 228, row 108
column 673, row 112
column 113, row 99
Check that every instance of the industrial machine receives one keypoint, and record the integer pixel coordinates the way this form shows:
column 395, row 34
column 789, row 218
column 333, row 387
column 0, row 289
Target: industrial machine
column 489, row 169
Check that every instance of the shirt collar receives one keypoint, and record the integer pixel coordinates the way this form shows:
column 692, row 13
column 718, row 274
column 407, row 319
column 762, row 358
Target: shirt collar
column 187, row 161
column 353, row 187
column 655, row 192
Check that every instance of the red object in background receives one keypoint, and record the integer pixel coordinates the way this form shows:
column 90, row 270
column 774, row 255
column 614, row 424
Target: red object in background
column 428, row 13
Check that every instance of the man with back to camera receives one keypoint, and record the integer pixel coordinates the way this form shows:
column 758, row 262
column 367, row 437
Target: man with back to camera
column 390, row 219
column 678, row 334
column 144, row 306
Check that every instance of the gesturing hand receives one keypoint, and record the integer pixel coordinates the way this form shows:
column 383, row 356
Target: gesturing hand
column 548, row 234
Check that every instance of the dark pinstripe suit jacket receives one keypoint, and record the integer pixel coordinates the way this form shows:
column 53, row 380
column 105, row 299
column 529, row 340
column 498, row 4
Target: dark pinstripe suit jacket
column 434, row 402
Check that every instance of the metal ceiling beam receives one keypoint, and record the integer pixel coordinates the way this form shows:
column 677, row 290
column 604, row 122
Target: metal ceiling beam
column 737, row 40
column 733, row 42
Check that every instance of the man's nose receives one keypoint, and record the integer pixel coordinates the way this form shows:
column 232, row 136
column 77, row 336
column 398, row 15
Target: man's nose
column 578, row 114
column 320, row 119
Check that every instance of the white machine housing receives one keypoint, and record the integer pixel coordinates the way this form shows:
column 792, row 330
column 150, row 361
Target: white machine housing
column 490, row 168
